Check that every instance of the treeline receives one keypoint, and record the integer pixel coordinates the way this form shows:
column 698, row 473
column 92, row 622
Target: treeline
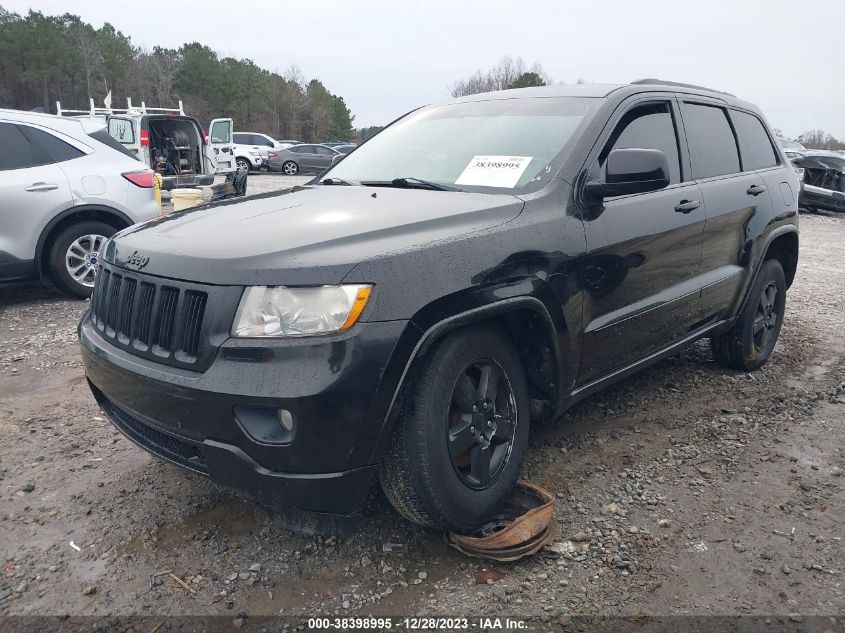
column 44, row 59
column 819, row 139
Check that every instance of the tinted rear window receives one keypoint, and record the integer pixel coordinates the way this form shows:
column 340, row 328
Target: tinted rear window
column 106, row 139
column 712, row 146
column 755, row 146
column 17, row 152
column 46, row 148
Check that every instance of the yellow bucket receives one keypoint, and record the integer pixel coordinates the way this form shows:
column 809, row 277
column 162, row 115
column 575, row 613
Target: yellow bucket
column 185, row 198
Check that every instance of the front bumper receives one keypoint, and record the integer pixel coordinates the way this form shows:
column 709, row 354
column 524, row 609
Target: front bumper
column 812, row 196
column 177, row 182
column 214, row 422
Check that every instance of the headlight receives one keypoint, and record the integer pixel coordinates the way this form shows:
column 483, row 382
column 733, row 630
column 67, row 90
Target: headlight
column 282, row 311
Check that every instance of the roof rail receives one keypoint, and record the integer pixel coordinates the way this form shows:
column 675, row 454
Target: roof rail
column 677, row 84
column 129, row 109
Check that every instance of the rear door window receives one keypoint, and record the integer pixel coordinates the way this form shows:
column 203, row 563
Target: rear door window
column 649, row 126
column 755, row 146
column 712, row 145
column 122, row 130
column 17, row 151
column 241, row 138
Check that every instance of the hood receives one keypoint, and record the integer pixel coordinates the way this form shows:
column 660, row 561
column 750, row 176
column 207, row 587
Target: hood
column 308, row 235
column 821, row 161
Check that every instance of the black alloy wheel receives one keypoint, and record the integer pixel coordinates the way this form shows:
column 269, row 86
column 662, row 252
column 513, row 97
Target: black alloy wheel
column 767, row 318
column 482, row 423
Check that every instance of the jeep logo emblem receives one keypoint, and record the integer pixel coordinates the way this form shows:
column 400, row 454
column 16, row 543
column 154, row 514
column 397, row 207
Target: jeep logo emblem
column 137, row 261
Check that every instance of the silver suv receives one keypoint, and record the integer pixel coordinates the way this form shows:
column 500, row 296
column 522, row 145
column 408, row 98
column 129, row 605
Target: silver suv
column 66, row 186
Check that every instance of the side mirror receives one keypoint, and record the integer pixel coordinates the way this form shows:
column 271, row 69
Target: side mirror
column 630, row 171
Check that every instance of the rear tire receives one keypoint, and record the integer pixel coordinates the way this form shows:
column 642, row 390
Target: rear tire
column 290, row 168
column 243, row 165
column 751, row 340
column 434, row 472
column 68, row 251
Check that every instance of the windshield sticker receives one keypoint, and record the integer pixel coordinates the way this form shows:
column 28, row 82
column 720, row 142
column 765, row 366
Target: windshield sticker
column 494, row 171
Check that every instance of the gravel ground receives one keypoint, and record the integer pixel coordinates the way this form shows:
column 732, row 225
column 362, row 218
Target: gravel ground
column 687, row 489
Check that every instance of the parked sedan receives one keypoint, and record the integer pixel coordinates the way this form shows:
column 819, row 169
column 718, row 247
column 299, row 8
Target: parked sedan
column 302, row 158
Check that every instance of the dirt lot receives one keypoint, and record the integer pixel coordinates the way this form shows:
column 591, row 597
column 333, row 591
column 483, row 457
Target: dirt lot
column 687, row 489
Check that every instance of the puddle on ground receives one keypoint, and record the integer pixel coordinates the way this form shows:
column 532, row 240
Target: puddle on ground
column 87, row 572
column 233, row 517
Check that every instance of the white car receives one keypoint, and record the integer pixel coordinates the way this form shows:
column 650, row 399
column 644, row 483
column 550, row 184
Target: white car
column 66, row 186
column 252, row 149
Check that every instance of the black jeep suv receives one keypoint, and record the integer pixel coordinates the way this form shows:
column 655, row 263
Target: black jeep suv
column 478, row 263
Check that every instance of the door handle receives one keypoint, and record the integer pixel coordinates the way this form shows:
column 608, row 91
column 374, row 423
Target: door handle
column 41, row 186
column 687, row 206
column 755, row 190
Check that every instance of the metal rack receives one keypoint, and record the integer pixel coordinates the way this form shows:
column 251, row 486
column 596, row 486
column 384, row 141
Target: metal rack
column 129, row 109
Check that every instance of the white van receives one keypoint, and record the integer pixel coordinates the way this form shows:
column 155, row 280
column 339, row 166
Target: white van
column 170, row 142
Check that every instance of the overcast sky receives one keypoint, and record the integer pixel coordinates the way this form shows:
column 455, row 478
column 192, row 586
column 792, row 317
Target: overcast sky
column 386, row 57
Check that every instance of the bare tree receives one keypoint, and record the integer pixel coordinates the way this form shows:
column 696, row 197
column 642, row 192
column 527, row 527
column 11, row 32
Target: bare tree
column 296, row 98
column 818, row 139
column 508, row 73
column 164, row 64
column 91, row 57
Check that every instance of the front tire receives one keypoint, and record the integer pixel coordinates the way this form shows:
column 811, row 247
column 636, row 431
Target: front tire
column 74, row 256
column 751, row 340
column 290, row 168
column 457, row 452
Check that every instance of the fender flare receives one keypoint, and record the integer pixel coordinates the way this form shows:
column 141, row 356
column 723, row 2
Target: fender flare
column 771, row 237
column 460, row 319
column 437, row 330
column 81, row 209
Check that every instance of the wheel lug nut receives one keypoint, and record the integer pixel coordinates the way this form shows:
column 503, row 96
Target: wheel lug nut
column 474, row 408
column 472, row 429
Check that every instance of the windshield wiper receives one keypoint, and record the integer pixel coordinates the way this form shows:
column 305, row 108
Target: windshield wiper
column 335, row 181
column 409, row 183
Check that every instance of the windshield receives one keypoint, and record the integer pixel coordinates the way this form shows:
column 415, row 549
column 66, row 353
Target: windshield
column 513, row 145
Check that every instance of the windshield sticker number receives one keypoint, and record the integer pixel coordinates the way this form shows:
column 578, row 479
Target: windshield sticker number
column 494, row 171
